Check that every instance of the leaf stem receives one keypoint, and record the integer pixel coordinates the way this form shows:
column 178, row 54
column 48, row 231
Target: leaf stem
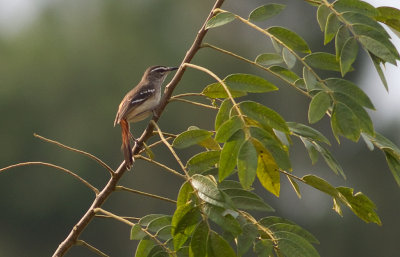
column 161, row 165
column 122, row 188
column 257, row 65
column 91, row 248
column 194, row 103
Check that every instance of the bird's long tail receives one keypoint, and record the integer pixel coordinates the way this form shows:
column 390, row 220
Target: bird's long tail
column 126, row 146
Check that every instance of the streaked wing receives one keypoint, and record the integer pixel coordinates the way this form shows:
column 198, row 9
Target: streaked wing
column 133, row 99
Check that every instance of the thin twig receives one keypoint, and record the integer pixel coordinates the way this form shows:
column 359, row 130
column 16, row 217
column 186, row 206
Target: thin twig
column 98, row 160
column 79, row 227
column 171, row 150
column 257, row 65
column 91, row 248
column 194, row 103
column 124, row 217
column 122, row 188
column 119, row 218
column 95, row 190
column 291, row 175
column 228, row 92
column 189, row 94
column 161, row 165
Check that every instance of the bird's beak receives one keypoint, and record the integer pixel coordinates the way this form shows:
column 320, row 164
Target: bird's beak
column 172, row 68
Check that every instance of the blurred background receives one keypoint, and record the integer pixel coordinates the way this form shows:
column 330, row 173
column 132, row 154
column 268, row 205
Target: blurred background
column 65, row 66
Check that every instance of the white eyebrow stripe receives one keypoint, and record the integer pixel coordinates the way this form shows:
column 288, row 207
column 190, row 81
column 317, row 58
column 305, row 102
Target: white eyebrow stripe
column 159, row 69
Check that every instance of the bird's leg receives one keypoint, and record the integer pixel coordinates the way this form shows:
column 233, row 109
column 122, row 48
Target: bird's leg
column 155, row 115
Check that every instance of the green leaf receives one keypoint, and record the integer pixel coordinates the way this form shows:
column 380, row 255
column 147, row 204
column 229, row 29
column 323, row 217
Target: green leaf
column 229, row 184
column 223, row 113
column 207, row 190
column 265, row 12
column 223, row 218
column 145, row 221
column 220, row 19
column 355, row 6
column 363, row 118
column 271, row 220
column 345, row 122
column 295, row 186
column 268, row 59
column 394, row 166
column 377, row 64
column 295, row 229
column 329, row 159
column 285, row 74
column 348, row 55
column 319, row 105
column 385, row 144
column 361, row 205
column 229, row 154
column 340, row 39
column 310, row 80
column 378, row 49
column 312, row 151
column 289, row 58
column 249, row 83
column 228, row 128
column 273, row 145
column 321, row 185
column 216, row 90
column 247, row 163
column 243, row 199
column 137, row 233
column 198, row 243
column 184, row 195
column 290, row 39
column 190, row 137
column 373, row 33
column 322, row 61
column 306, row 131
column 217, row 246
column 202, row 162
column 292, row 245
column 357, row 18
column 263, row 115
column 390, row 16
column 183, row 223
column 144, row 247
column 164, row 233
column 331, row 28
column 322, row 16
column 263, row 248
column 268, row 173
column 158, row 223
column 246, row 239
column 350, row 89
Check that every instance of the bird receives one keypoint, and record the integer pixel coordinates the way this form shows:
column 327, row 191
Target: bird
column 139, row 103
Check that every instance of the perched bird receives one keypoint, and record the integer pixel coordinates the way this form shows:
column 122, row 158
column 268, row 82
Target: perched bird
column 139, row 103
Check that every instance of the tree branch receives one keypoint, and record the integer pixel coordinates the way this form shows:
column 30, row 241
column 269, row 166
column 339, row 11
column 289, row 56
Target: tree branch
column 71, row 239
column 95, row 190
column 111, row 171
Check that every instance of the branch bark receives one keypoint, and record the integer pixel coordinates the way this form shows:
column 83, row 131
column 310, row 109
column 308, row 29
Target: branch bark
column 73, row 236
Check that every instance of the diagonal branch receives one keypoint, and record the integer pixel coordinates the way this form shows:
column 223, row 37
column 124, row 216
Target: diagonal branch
column 72, row 237
column 77, row 151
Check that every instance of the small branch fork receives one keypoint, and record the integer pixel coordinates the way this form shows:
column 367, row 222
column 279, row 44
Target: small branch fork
column 102, row 196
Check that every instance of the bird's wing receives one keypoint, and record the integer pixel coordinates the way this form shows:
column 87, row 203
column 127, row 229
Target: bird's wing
column 133, row 99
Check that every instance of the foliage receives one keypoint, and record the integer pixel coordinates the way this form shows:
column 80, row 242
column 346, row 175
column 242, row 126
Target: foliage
column 215, row 204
